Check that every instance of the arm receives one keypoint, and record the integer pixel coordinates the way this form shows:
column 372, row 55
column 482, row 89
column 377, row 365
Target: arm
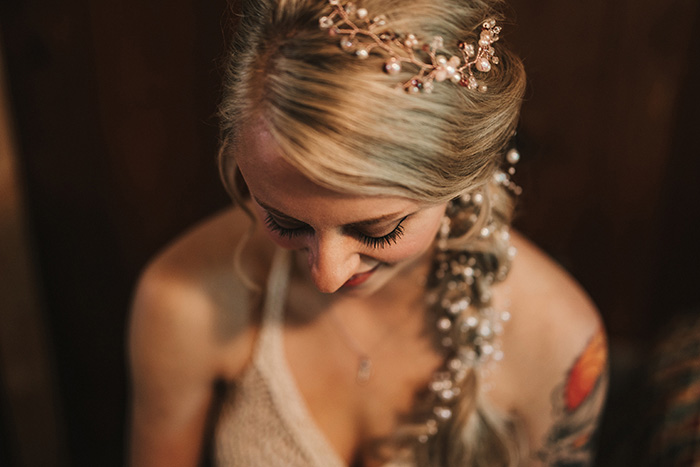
column 577, row 403
column 559, row 361
column 190, row 327
column 173, row 370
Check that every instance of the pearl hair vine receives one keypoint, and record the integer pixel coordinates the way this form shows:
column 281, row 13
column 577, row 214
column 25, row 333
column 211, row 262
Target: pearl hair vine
column 360, row 34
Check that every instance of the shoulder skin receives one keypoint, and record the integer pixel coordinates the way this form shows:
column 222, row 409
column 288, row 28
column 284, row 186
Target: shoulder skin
column 190, row 326
column 555, row 365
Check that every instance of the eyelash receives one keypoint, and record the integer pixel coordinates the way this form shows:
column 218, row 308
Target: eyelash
column 372, row 242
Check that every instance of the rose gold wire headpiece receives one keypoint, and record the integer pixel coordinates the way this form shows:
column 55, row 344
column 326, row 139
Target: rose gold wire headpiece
column 359, row 36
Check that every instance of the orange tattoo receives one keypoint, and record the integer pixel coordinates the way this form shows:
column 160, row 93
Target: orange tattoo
column 577, row 403
column 586, row 372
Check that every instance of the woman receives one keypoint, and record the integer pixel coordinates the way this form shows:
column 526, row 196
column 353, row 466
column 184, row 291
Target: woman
column 361, row 303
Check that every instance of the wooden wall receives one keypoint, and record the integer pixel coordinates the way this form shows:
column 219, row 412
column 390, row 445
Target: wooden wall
column 607, row 133
column 29, row 408
column 113, row 109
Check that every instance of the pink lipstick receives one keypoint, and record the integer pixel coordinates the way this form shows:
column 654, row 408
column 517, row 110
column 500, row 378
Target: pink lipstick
column 360, row 278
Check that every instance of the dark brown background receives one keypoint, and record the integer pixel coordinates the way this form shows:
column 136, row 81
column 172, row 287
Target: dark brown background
column 113, row 106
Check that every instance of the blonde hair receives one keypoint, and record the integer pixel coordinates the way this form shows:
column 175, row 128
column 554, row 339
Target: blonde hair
column 343, row 123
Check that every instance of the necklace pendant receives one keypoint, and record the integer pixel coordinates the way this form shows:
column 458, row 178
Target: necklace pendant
column 364, row 370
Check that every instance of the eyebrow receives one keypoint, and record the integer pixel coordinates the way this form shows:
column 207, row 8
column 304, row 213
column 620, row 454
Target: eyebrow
column 364, row 223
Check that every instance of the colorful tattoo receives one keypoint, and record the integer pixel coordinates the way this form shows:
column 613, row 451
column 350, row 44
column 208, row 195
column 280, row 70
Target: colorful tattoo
column 577, row 403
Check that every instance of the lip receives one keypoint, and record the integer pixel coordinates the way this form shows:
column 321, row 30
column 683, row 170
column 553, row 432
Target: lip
column 360, row 278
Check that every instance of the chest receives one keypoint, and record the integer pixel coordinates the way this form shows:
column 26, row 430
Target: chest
column 358, row 393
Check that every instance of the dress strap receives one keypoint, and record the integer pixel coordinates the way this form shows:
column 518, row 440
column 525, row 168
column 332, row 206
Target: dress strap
column 272, row 365
column 277, row 282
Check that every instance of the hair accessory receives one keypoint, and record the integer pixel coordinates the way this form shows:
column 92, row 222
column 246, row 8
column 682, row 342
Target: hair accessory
column 505, row 178
column 460, row 299
column 361, row 34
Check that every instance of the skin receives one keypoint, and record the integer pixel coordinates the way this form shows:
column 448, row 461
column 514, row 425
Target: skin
column 329, row 227
column 193, row 323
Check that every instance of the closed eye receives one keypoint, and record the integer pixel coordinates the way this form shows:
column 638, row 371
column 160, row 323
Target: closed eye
column 287, row 232
column 385, row 240
column 371, row 241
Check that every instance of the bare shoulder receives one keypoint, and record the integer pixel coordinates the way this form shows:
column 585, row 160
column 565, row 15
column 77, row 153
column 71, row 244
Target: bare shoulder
column 551, row 309
column 190, row 325
column 556, row 355
column 190, row 294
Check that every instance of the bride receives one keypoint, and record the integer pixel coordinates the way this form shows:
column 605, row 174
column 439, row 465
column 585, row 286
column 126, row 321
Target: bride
column 365, row 302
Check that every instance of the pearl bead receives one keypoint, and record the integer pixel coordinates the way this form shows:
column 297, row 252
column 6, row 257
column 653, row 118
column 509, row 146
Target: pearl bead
column 346, row 43
column 513, row 156
column 444, row 324
column 437, row 386
column 484, row 43
column 486, row 35
column 447, row 394
column 440, row 74
column 362, row 13
column 379, row 20
column 450, row 70
column 393, row 66
column 483, row 64
column 325, row 22
column 411, row 41
column 443, row 413
column 441, row 60
column 484, row 330
column 362, row 53
column 456, row 78
column 455, row 61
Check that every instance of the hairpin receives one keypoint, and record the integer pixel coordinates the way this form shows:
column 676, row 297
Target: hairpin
column 360, row 35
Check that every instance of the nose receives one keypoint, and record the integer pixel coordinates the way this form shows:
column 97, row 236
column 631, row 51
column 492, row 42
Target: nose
column 332, row 261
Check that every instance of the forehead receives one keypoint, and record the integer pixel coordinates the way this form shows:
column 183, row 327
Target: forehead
column 275, row 182
column 266, row 170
